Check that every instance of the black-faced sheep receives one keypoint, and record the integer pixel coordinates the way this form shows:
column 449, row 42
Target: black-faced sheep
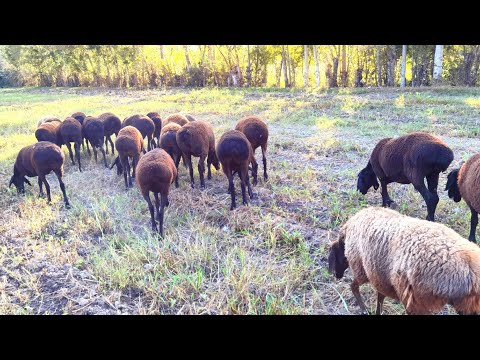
column 39, row 160
column 111, row 125
column 465, row 182
column 129, row 143
column 235, row 153
column 423, row 264
column 156, row 172
column 49, row 131
column 256, row 132
column 157, row 121
column 168, row 142
column 408, row 159
column 93, row 132
column 144, row 124
column 196, row 138
column 80, row 116
column 71, row 131
column 178, row 118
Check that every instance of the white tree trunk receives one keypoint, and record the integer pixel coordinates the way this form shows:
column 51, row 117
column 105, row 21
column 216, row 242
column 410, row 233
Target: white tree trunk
column 305, row 66
column 437, row 67
column 317, row 67
column 404, row 65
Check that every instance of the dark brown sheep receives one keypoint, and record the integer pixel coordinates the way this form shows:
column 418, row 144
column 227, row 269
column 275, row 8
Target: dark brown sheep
column 111, row 125
column 157, row 121
column 49, row 131
column 129, row 143
column 196, row 138
column 71, row 131
column 80, row 116
column 168, row 142
column 93, row 132
column 144, row 124
column 235, row 153
column 408, row 159
column 39, row 160
column 177, row 119
column 256, row 132
column 156, row 172
column 464, row 182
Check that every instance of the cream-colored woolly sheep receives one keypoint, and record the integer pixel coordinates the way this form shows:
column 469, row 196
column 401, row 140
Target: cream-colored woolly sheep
column 423, row 264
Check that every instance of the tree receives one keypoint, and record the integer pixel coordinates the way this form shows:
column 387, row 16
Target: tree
column 437, row 63
column 317, row 67
column 391, row 57
column 305, row 66
column 379, row 67
column 404, row 66
column 344, row 72
column 284, row 64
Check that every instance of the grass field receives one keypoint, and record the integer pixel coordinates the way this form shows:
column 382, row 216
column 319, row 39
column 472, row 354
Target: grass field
column 100, row 256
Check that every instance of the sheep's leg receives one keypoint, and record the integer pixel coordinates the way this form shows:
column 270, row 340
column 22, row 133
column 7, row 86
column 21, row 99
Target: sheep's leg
column 188, row 161
column 135, row 160
column 431, row 199
column 177, row 162
column 201, row 171
column 69, row 147
column 380, row 298
column 473, row 225
column 231, row 188
column 146, row 196
column 386, row 201
column 157, row 205
column 161, row 213
column 104, row 158
column 209, row 164
column 243, row 171
column 47, row 187
column 111, row 144
column 254, row 171
column 106, row 144
column 355, row 286
column 77, row 154
column 126, row 170
column 62, row 187
column 250, row 192
column 264, row 160
column 40, row 182
column 94, row 152
column 83, row 144
column 88, row 149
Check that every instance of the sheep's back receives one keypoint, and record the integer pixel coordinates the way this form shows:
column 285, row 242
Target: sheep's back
column 155, row 171
column 469, row 181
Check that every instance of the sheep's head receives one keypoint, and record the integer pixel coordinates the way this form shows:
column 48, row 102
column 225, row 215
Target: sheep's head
column 452, row 186
column 215, row 161
column 367, row 179
column 337, row 262
column 19, row 182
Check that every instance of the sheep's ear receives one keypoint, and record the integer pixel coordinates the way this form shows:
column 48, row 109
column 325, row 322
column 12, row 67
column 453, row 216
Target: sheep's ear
column 451, row 179
column 26, row 180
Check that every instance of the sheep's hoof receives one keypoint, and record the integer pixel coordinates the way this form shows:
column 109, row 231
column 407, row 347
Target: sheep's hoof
column 68, row 206
column 202, row 186
column 41, row 195
column 254, row 182
column 209, row 177
column 265, row 177
column 254, row 196
column 245, row 203
column 192, row 185
column 232, row 207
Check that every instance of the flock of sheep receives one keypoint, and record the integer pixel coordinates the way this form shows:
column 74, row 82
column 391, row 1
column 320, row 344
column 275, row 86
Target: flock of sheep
column 178, row 136
column 423, row 264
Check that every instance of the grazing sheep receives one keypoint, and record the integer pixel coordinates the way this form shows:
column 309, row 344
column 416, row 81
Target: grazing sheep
column 39, row 160
column 80, row 116
column 71, row 131
column 256, row 132
column 464, row 182
column 157, row 121
column 93, row 131
column 196, row 138
column 156, row 172
column 144, row 124
column 49, row 131
column 408, row 159
column 168, row 142
column 111, row 125
column 425, row 265
column 129, row 143
column 47, row 119
column 235, row 153
column 190, row 117
column 176, row 118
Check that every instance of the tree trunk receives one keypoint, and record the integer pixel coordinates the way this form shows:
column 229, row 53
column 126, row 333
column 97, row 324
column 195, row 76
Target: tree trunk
column 379, row 67
column 161, row 52
column 437, row 63
column 317, row 68
column 187, row 58
column 391, row 65
column 404, row 66
column 305, row 66
column 343, row 73
column 289, row 66
column 333, row 80
column 249, row 69
column 284, row 63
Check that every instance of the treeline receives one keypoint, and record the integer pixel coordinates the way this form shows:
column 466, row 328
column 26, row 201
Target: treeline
column 238, row 65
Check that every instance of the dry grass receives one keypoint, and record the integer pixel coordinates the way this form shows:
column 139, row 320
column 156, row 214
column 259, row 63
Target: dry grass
column 100, row 257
